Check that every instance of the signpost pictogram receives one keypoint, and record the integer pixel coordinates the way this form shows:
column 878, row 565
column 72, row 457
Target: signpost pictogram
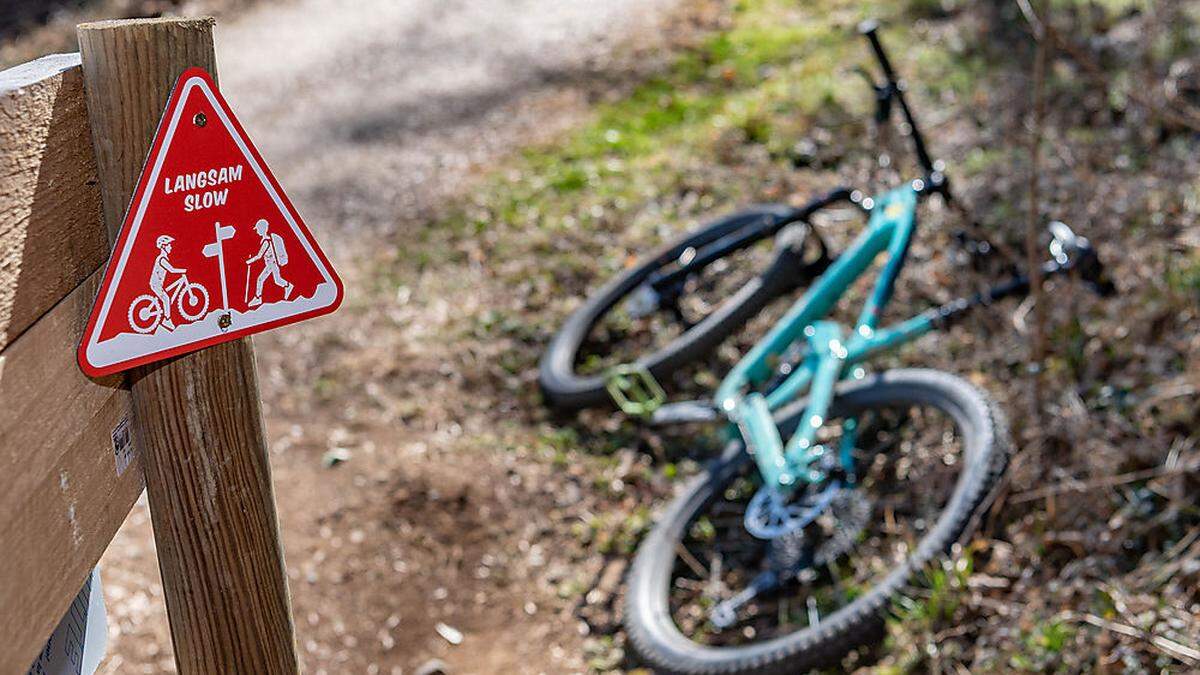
column 206, row 206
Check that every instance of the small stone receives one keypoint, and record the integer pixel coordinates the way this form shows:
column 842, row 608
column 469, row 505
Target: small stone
column 451, row 634
column 335, row 456
column 433, row 667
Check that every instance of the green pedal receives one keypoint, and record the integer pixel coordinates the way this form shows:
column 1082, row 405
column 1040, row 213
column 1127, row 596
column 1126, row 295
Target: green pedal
column 634, row 390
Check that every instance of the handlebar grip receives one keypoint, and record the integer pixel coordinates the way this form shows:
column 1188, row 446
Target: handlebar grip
column 1073, row 252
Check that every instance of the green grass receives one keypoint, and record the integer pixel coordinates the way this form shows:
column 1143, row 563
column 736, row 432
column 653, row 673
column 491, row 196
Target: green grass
column 780, row 70
column 921, row 614
column 1184, row 276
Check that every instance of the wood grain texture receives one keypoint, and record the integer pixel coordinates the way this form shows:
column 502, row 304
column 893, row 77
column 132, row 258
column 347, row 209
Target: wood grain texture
column 198, row 419
column 61, row 496
column 137, row 62
column 49, row 199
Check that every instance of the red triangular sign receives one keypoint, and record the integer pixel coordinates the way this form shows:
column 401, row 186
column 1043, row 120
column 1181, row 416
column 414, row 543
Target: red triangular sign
column 211, row 248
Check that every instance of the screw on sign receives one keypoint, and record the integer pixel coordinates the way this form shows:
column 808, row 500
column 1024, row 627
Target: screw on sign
column 211, row 249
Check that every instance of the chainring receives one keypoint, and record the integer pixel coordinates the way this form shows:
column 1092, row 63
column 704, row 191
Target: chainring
column 770, row 515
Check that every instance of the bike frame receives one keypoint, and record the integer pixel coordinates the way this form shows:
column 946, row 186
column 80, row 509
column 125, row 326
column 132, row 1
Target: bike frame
column 832, row 350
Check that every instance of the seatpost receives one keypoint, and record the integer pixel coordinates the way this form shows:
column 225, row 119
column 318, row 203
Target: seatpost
column 895, row 88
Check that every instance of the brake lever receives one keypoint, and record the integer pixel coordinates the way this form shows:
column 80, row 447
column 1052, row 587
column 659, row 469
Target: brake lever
column 1063, row 240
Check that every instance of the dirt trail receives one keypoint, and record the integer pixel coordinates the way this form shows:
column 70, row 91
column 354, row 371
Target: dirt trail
column 370, row 114
column 372, row 120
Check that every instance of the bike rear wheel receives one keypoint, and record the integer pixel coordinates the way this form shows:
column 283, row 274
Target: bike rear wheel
column 685, row 321
column 144, row 314
column 923, row 432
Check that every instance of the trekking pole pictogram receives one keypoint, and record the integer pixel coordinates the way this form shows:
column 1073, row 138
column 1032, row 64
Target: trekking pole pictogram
column 246, row 287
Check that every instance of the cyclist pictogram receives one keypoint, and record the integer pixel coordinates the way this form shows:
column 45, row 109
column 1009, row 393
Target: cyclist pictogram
column 147, row 312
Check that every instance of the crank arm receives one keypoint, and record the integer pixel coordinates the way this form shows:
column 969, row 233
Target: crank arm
column 683, row 412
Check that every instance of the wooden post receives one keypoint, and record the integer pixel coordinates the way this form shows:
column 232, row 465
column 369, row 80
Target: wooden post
column 197, row 418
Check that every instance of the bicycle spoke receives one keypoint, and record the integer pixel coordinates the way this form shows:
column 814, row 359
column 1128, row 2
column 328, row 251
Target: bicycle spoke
column 670, row 303
column 764, row 589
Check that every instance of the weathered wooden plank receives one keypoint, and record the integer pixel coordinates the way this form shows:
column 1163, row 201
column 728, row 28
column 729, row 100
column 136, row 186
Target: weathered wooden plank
column 61, row 497
column 51, row 238
column 199, row 421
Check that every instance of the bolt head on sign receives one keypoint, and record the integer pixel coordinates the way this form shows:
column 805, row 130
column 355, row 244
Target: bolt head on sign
column 211, row 249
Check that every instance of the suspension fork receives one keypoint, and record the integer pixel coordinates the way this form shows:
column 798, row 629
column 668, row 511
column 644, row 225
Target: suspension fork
column 894, row 90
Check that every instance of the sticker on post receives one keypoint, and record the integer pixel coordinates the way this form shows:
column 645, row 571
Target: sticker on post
column 77, row 645
column 211, row 249
column 122, row 438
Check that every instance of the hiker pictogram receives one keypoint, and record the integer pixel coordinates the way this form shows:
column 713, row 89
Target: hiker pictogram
column 272, row 251
column 211, row 248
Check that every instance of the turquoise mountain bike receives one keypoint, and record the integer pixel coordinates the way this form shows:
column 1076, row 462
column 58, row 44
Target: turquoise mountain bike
column 839, row 487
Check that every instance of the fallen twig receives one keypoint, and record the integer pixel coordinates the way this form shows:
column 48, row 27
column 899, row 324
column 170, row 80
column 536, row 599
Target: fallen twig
column 1037, row 342
column 1175, row 650
column 1075, row 485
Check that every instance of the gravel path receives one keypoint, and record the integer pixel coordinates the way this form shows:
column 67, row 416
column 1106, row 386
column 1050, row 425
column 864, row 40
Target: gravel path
column 370, row 114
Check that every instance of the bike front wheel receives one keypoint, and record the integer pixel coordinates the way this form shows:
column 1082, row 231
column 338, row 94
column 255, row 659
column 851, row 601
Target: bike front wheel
column 193, row 302
column 928, row 450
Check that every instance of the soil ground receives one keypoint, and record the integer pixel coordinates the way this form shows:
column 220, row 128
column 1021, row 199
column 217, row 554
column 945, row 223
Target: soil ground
column 474, row 171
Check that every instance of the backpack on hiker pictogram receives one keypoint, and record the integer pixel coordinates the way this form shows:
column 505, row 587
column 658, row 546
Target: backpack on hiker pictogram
column 280, row 249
